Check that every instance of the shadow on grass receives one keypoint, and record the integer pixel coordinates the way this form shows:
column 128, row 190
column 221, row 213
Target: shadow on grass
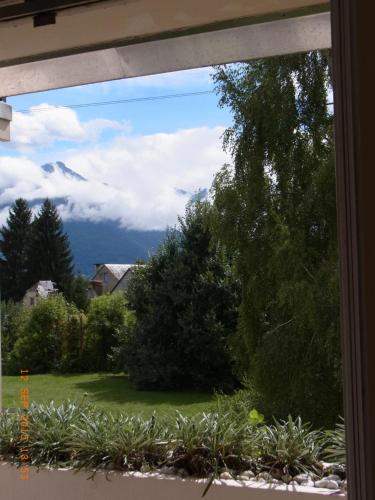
column 117, row 388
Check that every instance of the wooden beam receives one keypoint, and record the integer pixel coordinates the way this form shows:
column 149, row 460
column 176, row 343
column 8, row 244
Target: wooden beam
column 184, row 52
column 116, row 23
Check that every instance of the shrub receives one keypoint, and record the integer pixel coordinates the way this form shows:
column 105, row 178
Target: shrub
column 107, row 316
column 240, row 403
column 48, row 337
column 11, row 321
column 73, row 339
column 39, row 337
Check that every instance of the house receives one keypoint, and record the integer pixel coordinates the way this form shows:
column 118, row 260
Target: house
column 109, row 278
column 123, row 283
column 39, row 291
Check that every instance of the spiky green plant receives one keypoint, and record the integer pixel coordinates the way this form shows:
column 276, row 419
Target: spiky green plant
column 9, row 433
column 335, row 444
column 78, row 435
column 51, row 427
column 290, row 446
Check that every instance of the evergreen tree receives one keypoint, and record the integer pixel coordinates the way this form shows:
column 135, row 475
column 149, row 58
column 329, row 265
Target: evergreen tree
column 14, row 247
column 50, row 254
column 185, row 302
column 276, row 215
column 78, row 292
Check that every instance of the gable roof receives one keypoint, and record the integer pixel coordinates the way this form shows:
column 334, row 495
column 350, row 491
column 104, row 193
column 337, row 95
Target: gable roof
column 123, row 276
column 118, row 270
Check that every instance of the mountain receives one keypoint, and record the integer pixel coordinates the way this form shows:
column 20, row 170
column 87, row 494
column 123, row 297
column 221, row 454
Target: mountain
column 60, row 167
column 94, row 242
column 105, row 241
column 100, row 242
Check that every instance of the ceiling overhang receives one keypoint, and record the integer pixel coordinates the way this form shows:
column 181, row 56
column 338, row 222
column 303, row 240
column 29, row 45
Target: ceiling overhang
column 97, row 40
column 49, row 44
column 172, row 54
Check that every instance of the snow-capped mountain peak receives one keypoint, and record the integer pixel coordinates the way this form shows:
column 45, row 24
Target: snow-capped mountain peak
column 60, row 167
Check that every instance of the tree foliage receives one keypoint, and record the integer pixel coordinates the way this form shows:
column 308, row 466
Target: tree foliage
column 77, row 292
column 34, row 250
column 274, row 212
column 11, row 322
column 106, row 317
column 39, row 336
column 73, row 338
column 14, row 249
column 184, row 299
column 56, row 336
column 51, row 258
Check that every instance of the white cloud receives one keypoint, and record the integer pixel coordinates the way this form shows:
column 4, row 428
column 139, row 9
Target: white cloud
column 45, row 124
column 130, row 179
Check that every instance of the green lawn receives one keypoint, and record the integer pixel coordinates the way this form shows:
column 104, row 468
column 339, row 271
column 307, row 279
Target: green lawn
column 112, row 392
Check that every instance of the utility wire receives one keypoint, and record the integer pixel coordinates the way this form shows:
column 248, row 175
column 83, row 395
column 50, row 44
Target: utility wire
column 127, row 101
column 123, row 101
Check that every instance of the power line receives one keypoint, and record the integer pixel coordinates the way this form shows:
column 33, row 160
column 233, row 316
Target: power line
column 127, row 101
column 123, row 101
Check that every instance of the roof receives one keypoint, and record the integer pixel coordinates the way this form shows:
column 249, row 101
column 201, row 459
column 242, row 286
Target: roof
column 118, row 270
column 123, row 276
column 44, row 288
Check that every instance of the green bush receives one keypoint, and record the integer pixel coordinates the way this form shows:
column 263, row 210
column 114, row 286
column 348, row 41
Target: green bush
column 49, row 336
column 11, row 322
column 39, row 338
column 73, row 340
column 107, row 317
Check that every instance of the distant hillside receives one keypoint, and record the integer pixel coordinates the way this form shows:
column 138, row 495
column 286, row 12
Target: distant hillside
column 107, row 242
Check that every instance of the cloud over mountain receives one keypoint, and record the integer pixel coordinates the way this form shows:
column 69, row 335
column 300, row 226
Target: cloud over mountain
column 143, row 182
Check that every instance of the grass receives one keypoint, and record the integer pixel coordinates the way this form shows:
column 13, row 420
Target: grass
column 107, row 391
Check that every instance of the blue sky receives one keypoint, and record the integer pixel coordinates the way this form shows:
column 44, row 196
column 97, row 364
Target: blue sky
column 136, row 156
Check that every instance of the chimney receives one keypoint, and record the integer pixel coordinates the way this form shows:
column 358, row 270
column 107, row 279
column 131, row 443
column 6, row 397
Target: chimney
column 97, row 267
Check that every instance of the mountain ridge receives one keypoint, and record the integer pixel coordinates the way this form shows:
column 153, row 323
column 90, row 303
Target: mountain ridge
column 98, row 241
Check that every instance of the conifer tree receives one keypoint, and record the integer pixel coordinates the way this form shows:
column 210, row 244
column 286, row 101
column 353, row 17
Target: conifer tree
column 185, row 303
column 14, row 247
column 51, row 258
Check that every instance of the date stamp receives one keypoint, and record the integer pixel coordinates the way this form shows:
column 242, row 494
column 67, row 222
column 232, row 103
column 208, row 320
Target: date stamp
column 24, row 451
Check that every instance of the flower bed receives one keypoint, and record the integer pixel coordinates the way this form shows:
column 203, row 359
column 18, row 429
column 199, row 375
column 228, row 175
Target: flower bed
column 236, row 449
